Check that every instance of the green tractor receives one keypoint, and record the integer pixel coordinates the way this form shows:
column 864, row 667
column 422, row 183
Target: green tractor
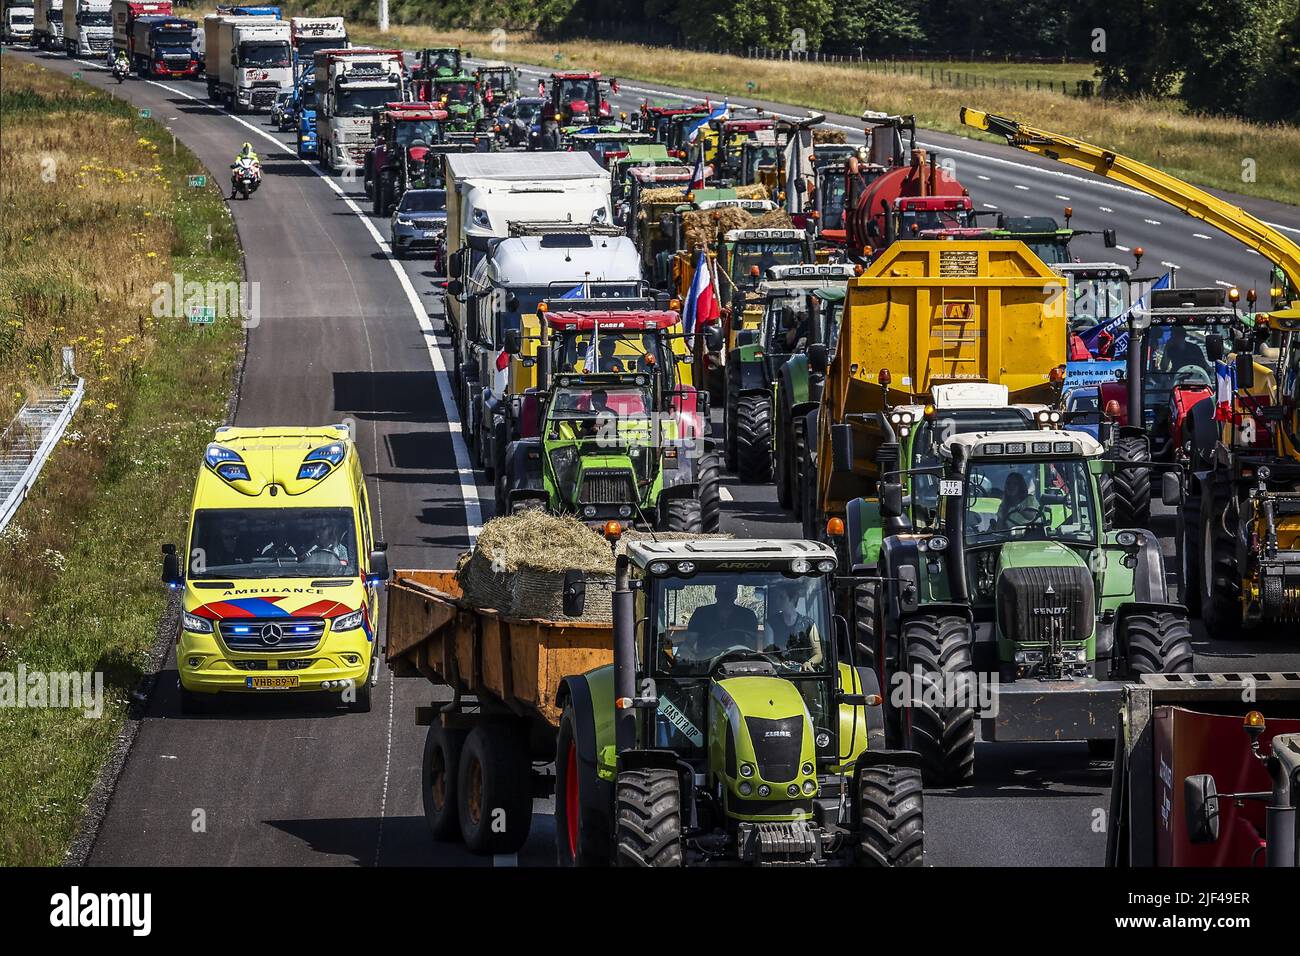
column 789, row 304
column 994, row 592
column 732, row 726
column 459, row 95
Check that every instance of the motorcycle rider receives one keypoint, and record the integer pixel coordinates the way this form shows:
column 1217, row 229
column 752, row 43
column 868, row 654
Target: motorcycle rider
column 245, row 152
column 121, row 65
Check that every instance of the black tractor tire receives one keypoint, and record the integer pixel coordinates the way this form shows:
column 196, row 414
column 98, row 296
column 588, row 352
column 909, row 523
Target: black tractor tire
column 809, row 514
column 754, row 438
column 494, row 789
column 439, row 770
column 1158, row 642
column 377, row 201
column 867, row 624
column 1106, row 491
column 781, row 446
column 944, row 736
column 1190, row 569
column 586, row 842
column 1132, row 484
column 682, row 514
column 798, row 471
column 710, row 477
column 648, row 818
column 550, row 140
column 1220, row 578
column 891, row 821
column 730, row 437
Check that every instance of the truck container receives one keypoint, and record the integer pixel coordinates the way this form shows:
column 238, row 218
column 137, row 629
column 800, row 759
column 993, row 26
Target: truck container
column 124, row 13
column 309, row 34
column 163, row 46
column 926, row 313
column 1180, row 738
column 87, row 27
column 47, row 27
column 248, row 61
column 351, row 86
column 505, row 676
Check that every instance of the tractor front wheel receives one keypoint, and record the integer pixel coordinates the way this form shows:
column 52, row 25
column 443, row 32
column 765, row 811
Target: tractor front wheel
column 1158, row 642
column 1132, row 483
column 710, row 494
column 648, row 826
column 937, row 658
column 754, row 438
column 891, row 824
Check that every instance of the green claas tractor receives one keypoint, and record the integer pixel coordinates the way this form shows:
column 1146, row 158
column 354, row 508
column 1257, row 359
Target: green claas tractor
column 997, row 594
column 786, row 298
column 612, row 446
column 732, row 726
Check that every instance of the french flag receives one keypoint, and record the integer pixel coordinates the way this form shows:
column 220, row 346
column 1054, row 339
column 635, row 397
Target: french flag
column 697, row 177
column 702, row 299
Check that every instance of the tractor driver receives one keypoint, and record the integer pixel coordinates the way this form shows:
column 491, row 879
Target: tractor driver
column 1018, row 508
column 714, row 626
column 792, row 635
column 1179, row 353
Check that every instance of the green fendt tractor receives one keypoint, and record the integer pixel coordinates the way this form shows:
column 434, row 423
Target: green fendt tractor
column 787, row 298
column 732, row 726
column 459, row 95
column 997, row 593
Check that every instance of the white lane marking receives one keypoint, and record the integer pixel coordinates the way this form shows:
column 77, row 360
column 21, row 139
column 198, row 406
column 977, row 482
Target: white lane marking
column 1170, row 265
column 1153, row 222
column 1062, row 198
column 1105, row 209
column 1060, row 174
column 725, row 495
column 1226, row 285
column 988, row 205
column 1199, row 235
column 1123, row 248
column 1018, row 186
column 985, row 178
column 469, row 490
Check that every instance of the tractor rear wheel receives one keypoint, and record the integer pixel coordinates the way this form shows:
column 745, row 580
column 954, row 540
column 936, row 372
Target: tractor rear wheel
column 710, row 494
column 754, row 438
column 578, row 840
column 891, row 824
column 438, row 772
column 648, row 826
column 1220, row 576
column 1158, row 642
column 937, row 658
column 683, row 514
column 1132, row 484
column 493, row 789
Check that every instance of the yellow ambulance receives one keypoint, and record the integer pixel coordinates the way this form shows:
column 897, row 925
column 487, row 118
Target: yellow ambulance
column 281, row 575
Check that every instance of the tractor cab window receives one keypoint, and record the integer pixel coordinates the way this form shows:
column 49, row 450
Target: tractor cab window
column 1176, row 355
column 785, row 322
column 1097, row 299
column 623, row 351
column 427, row 131
column 924, row 219
column 759, row 156
column 584, row 90
column 526, row 110
column 599, row 412
column 700, row 623
column 832, row 199
column 746, row 255
column 1044, row 500
column 930, row 435
column 456, row 92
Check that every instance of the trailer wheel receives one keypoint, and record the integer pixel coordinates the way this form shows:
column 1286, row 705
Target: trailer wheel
column 683, row 514
column 939, row 647
column 891, row 823
column 754, row 438
column 710, row 494
column 649, row 817
column 1158, row 642
column 493, row 791
column 1220, row 578
column 1132, row 484
column 438, row 773
column 579, row 841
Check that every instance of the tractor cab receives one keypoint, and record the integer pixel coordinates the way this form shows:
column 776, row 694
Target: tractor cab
column 498, row 85
column 656, row 120
column 605, row 146
column 579, row 99
column 934, row 217
column 458, row 94
column 434, row 62
column 760, row 160
column 747, row 254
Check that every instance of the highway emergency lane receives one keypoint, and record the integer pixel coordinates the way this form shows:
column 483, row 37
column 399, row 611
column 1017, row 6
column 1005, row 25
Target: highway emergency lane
column 336, row 339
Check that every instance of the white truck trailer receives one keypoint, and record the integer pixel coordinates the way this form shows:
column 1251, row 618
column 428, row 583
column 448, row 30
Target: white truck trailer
column 47, row 29
column 87, row 27
column 351, row 86
column 310, row 34
column 248, row 61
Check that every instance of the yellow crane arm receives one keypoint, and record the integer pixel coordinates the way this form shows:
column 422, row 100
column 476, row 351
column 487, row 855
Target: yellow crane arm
column 1197, row 203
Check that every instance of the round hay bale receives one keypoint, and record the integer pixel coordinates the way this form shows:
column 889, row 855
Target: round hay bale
column 823, row 135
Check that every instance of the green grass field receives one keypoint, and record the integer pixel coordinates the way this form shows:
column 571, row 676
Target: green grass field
column 96, row 211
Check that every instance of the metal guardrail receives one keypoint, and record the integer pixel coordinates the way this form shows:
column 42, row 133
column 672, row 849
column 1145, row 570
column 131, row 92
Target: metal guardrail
column 29, row 441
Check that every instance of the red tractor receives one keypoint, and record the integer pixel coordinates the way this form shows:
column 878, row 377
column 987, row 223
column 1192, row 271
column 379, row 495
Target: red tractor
column 403, row 133
column 574, row 99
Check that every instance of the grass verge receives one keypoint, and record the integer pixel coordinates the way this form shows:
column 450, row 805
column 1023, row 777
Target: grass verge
column 95, row 209
column 1209, row 151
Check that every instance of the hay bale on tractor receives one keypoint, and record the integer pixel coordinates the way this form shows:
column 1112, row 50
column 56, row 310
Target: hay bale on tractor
column 519, row 561
column 708, row 226
column 822, row 135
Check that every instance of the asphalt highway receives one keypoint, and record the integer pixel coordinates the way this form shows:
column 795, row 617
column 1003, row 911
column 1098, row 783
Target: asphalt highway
column 348, row 333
